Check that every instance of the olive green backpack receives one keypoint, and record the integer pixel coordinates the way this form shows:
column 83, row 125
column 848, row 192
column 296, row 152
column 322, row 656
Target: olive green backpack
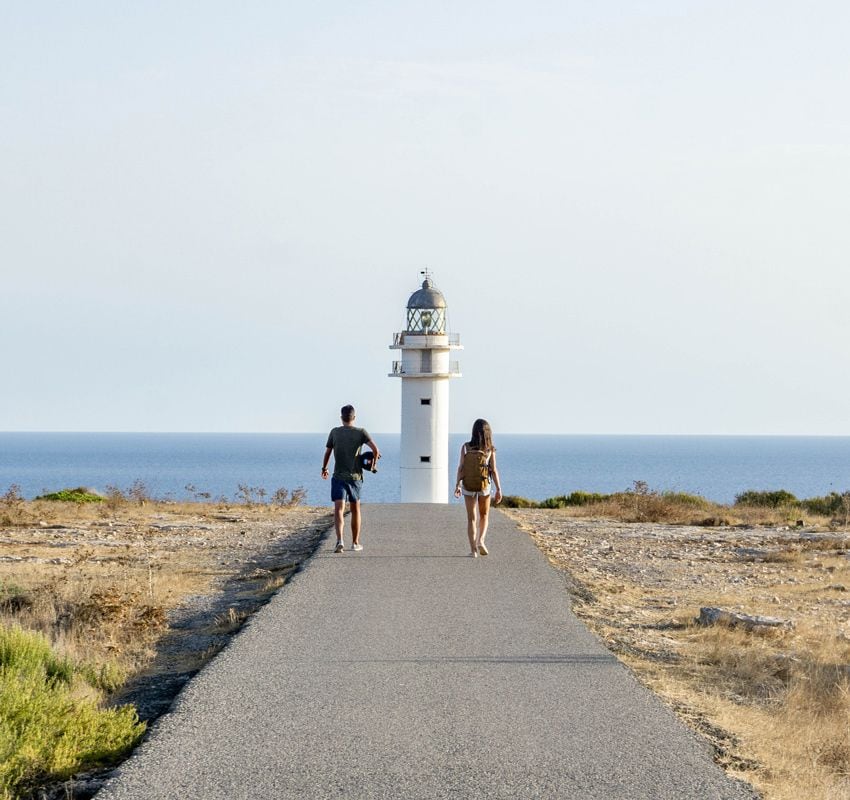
column 476, row 470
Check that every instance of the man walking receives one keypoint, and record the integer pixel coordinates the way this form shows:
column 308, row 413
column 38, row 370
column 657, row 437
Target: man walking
column 345, row 443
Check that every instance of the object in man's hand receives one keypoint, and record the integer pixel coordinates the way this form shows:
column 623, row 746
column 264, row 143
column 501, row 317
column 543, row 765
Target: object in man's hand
column 367, row 462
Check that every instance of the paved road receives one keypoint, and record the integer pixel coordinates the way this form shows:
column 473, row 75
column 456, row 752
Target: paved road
column 410, row 670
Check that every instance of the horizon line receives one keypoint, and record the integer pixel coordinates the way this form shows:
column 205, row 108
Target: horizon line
column 398, row 433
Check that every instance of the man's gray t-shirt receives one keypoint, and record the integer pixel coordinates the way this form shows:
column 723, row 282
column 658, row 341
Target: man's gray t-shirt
column 346, row 441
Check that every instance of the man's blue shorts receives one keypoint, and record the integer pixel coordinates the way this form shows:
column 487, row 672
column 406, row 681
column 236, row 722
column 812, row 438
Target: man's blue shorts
column 342, row 489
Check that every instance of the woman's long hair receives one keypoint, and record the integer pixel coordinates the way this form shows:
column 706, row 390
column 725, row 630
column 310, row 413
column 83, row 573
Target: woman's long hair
column 482, row 436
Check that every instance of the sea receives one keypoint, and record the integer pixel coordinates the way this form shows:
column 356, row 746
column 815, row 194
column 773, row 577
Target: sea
column 180, row 466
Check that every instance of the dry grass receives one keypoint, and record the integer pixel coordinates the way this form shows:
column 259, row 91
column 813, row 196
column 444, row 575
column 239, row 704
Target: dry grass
column 100, row 579
column 785, row 698
column 656, row 507
column 97, row 582
column 643, row 504
column 776, row 705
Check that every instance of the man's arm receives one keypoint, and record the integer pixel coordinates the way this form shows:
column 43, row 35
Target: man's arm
column 374, row 448
column 325, row 460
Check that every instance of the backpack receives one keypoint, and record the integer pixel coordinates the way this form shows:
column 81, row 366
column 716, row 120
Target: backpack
column 476, row 470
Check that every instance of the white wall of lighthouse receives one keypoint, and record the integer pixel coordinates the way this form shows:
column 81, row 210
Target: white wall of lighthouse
column 425, row 369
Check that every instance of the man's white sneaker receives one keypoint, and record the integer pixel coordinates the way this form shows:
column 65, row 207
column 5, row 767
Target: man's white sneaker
column 339, row 547
column 357, row 547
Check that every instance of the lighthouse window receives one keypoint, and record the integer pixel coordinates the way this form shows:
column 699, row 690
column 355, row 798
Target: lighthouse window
column 425, row 401
column 425, row 459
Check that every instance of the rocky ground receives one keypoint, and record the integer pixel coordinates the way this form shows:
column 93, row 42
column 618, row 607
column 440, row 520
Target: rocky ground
column 641, row 586
column 153, row 591
column 161, row 587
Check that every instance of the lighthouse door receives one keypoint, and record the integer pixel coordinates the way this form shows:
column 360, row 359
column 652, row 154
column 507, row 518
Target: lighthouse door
column 426, row 361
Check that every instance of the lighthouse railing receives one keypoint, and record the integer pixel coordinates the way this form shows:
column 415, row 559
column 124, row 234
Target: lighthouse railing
column 452, row 339
column 398, row 369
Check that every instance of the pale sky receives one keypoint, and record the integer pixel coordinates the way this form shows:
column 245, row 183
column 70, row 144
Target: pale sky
column 212, row 214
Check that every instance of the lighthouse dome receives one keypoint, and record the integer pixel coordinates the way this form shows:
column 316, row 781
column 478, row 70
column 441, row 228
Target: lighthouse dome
column 426, row 310
column 427, row 297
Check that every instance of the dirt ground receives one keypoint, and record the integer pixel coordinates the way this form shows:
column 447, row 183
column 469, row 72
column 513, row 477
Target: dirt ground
column 146, row 593
column 150, row 591
column 773, row 704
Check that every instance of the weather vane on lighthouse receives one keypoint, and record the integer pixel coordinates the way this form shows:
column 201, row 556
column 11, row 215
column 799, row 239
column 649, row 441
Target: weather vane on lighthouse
column 425, row 369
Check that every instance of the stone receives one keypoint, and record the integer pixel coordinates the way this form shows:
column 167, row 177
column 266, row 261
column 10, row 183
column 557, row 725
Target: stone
column 710, row 615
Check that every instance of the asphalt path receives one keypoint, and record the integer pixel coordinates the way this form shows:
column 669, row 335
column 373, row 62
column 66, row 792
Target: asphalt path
column 410, row 670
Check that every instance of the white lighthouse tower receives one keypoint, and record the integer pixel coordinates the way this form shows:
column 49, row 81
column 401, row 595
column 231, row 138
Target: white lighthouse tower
column 425, row 370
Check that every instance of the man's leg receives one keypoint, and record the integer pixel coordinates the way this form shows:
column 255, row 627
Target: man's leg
column 355, row 522
column 339, row 519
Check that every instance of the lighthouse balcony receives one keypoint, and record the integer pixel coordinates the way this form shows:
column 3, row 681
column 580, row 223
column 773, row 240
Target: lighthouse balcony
column 402, row 371
column 413, row 340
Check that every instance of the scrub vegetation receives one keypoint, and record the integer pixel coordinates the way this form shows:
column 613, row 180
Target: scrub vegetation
column 52, row 716
column 87, row 589
column 640, row 503
column 774, row 701
column 78, row 495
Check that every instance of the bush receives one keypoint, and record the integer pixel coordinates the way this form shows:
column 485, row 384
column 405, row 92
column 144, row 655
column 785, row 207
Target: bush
column 559, row 501
column 585, row 498
column 24, row 652
column 686, row 499
column 515, row 501
column 78, row 495
column 776, row 499
column 50, row 730
column 830, row 505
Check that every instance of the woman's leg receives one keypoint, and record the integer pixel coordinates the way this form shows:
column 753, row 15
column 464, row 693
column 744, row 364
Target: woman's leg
column 470, row 523
column 483, row 517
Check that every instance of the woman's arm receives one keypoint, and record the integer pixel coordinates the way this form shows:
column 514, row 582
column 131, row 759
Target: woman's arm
column 459, row 475
column 497, row 481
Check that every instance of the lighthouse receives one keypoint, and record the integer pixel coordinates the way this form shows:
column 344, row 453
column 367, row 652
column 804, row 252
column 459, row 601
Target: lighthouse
column 425, row 369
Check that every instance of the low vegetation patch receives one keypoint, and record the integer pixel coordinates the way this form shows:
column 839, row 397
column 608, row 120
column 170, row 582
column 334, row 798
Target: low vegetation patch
column 776, row 499
column 640, row 503
column 87, row 590
column 78, row 495
column 52, row 721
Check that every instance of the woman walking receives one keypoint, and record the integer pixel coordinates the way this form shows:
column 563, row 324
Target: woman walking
column 477, row 466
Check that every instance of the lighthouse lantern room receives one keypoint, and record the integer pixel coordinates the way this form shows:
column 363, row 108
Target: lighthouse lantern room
column 425, row 368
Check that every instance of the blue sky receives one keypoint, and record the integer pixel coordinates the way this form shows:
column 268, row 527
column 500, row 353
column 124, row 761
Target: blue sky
column 211, row 217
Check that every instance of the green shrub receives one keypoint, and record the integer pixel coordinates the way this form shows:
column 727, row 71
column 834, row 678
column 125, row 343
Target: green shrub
column 25, row 652
column 78, row 495
column 830, row 505
column 574, row 499
column 559, row 501
column 585, row 498
column 686, row 499
column 51, row 727
column 553, row 502
column 515, row 501
column 775, row 499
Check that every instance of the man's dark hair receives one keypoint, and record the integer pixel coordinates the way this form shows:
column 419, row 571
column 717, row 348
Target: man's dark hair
column 347, row 413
